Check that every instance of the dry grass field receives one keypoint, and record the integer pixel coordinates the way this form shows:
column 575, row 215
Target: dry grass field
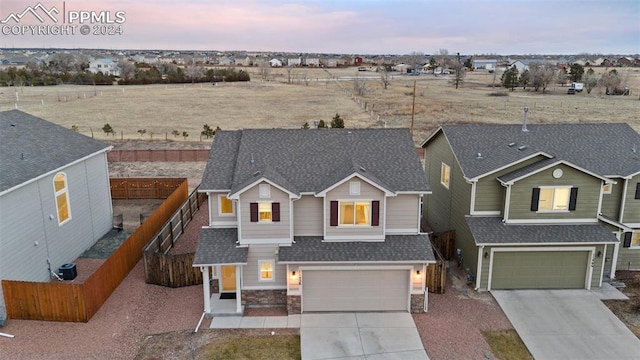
column 159, row 109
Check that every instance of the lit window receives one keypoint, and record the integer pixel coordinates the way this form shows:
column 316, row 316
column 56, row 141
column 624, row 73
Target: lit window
column 264, row 212
column 354, row 188
column 355, row 213
column 266, row 270
column 265, row 191
column 62, row 198
column 635, row 239
column 554, row 199
column 445, row 175
column 606, row 188
column 226, row 205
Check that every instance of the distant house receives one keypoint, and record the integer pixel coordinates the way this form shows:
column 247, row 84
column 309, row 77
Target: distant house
column 522, row 65
column 275, row 63
column 312, row 62
column 294, row 61
column 357, row 61
column 105, row 66
column 55, row 200
column 329, row 62
column 243, row 61
column 226, row 61
column 486, row 64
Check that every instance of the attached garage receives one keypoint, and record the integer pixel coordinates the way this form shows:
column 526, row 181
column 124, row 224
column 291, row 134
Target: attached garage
column 355, row 290
column 540, row 270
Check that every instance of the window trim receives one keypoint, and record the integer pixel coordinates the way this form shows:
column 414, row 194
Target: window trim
column 270, row 205
column 635, row 234
column 64, row 191
column 604, row 188
column 273, row 270
column 355, row 202
column 233, row 206
column 445, row 182
column 264, row 191
column 553, row 200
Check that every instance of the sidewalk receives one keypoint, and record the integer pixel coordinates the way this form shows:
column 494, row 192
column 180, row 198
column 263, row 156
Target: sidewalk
column 255, row 322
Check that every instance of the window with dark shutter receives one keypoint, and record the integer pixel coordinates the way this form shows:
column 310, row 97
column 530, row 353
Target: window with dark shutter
column 573, row 199
column 333, row 219
column 253, row 207
column 535, row 199
column 375, row 213
column 275, row 211
column 638, row 191
column 627, row 240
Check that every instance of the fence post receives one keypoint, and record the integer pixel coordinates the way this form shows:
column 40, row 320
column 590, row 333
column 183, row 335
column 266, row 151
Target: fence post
column 171, row 231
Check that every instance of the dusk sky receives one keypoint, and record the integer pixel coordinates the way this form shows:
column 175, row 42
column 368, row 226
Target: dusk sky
column 334, row 26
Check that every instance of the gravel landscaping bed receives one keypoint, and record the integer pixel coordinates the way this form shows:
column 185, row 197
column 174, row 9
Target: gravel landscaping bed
column 452, row 327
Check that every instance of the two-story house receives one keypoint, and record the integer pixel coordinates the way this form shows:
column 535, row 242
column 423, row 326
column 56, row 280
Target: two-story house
column 315, row 220
column 538, row 206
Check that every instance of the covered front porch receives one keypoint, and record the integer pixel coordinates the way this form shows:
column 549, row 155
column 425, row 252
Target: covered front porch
column 221, row 259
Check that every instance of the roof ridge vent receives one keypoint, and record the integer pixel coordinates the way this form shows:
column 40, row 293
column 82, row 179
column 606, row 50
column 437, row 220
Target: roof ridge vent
column 523, row 147
column 479, row 157
column 511, row 144
column 363, row 169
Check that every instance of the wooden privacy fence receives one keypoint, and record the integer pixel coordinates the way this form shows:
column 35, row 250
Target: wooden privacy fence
column 158, row 155
column 143, row 188
column 78, row 302
column 437, row 274
column 173, row 270
column 445, row 242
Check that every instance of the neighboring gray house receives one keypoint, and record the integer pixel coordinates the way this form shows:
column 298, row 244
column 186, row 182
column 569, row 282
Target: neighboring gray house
column 105, row 66
column 55, row 200
column 317, row 220
column 537, row 206
column 486, row 64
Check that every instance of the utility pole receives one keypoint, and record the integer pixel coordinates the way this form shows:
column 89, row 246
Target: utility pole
column 459, row 68
column 413, row 106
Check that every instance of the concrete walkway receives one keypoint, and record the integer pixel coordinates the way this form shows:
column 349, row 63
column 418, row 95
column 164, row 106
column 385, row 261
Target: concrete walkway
column 255, row 322
column 567, row 324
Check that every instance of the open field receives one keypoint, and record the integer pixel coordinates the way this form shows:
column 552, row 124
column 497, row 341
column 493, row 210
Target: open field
column 159, row 109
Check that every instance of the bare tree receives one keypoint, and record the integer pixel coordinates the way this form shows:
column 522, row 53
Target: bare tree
column 127, row 69
column 305, row 78
column 541, row 75
column 443, row 58
column 289, row 69
column 415, row 60
column 590, row 80
column 458, row 72
column 359, row 85
column 384, row 76
column 264, row 68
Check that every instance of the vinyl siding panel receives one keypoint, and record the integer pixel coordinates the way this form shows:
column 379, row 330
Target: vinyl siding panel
column 611, row 202
column 446, row 208
column 250, row 274
column 632, row 205
column 489, row 191
column 587, row 201
column 270, row 230
column 403, row 212
column 628, row 258
column 307, row 216
column 367, row 192
column 97, row 180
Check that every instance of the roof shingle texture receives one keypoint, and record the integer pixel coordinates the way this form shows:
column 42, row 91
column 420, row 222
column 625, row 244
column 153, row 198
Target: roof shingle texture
column 305, row 160
column 31, row 147
column 218, row 246
column 395, row 248
column 491, row 230
column 606, row 149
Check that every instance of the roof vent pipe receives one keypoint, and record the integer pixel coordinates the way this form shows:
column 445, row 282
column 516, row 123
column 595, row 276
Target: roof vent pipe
column 524, row 119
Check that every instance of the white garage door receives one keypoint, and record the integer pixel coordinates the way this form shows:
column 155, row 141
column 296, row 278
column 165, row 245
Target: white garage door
column 355, row 290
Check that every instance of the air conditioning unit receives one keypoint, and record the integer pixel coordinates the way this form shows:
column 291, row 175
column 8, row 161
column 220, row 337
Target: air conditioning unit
column 68, row 271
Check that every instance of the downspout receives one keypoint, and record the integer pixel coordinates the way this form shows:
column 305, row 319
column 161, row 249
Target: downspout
column 479, row 269
column 624, row 198
column 604, row 257
column 472, row 205
column 507, row 200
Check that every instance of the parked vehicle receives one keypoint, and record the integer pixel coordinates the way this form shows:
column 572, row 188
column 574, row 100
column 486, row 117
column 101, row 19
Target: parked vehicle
column 577, row 86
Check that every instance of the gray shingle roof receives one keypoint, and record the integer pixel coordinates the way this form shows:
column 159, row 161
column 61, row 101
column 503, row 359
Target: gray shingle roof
column 218, row 246
column 31, row 147
column 526, row 170
column 491, row 230
column 302, row 160
column 395, row 248
column 604, row 149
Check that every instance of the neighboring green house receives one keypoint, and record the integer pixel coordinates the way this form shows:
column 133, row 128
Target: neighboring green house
column 543, row 206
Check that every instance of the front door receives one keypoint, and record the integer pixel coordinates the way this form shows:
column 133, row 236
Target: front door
column 228, row 278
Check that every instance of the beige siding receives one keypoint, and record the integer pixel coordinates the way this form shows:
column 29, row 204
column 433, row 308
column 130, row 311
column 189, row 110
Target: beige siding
column 489, row 191
column 632, row 205
column 367, row 192
column 250, row 274
column 587, row 202
column 270, row 230
column 402, row 213
column 215, row 219
column 611, row 202
column 307, row 216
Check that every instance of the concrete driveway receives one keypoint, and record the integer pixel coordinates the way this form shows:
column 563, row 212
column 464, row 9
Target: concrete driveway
column 370, row 336
column 567, row 324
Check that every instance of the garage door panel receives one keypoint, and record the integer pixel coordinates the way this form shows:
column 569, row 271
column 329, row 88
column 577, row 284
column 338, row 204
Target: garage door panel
column 539, row 270
column 355, row 290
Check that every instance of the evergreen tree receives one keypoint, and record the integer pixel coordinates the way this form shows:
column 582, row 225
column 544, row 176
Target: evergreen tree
column 337, row 122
